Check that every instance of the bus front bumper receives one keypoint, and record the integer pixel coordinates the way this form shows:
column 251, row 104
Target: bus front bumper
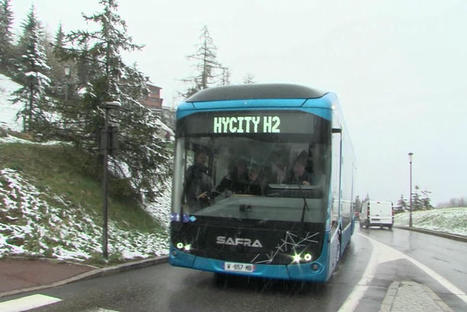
column 313, row 271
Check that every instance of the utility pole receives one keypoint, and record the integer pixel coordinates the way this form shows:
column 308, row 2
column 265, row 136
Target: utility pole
column 410, row 163
column 31, row 102
column 67, row 70
column 107, row 106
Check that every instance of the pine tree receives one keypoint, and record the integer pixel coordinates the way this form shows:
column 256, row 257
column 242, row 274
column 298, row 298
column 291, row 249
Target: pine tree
column 98, row 54
column 426, row 200
column 206, row 65
column 249, row 79
column 106, row 44
column 33, row 71
column 402, row 203
column 417, row 203
column 6, row 35
column 59, row 38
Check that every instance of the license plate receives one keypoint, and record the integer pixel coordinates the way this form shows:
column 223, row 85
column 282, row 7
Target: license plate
column 238, row 267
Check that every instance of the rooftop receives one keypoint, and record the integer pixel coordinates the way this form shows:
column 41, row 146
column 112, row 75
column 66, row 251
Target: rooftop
column 256, row 91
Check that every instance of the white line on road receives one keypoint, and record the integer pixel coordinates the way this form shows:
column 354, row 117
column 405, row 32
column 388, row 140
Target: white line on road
column 383, row 253
column 350, row 304
column 444, row 282
column 100, row 310
column 27, row 303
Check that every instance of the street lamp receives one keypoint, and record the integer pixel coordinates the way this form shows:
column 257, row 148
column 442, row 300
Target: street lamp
column 67, row 70
column 107, row 106
column 410, row 163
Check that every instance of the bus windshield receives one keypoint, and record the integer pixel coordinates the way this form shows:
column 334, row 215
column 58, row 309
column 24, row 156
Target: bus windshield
column 264, row 177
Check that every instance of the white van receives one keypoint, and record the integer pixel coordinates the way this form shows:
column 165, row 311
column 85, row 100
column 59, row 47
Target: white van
column 377, row 213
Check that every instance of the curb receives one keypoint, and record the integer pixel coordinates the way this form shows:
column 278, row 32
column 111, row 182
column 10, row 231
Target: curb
column 436, row 233
column 393, row 293
column 93, row 274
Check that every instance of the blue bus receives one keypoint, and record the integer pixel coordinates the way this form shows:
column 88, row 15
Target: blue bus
column 263, row 182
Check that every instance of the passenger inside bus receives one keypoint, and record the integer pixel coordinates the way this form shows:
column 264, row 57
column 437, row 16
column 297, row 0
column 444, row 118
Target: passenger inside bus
column 198, row 183
column 299, row 173
column 278, row 170
column 236, row 180
column 254, row 184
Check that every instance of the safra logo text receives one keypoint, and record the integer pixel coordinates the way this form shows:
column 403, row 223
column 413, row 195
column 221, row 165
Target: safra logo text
column 223, row 240
column 247, row 124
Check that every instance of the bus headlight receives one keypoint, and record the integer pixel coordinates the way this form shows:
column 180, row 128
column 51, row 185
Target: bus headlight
column 296, row 258
column 180, row 245
column 187, row 247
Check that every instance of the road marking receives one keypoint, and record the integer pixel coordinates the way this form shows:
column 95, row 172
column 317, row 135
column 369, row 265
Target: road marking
column 383, row 253
column 350, row 304
column 27, row 303
column 444, row 282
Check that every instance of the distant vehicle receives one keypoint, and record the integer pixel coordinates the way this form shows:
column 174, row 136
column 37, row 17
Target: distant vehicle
column 239, row 204
column 377, row 213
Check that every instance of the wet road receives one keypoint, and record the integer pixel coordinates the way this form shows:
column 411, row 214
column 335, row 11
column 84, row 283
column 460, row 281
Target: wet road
column 447, row 257
column 368, row 267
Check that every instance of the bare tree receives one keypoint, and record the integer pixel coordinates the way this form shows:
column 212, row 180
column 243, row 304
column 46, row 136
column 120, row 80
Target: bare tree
column 225, row 79
column 206, row 65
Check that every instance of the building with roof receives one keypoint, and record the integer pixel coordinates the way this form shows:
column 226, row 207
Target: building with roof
column 153, row 100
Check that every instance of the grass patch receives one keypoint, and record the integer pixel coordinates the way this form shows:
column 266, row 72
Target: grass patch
column 66, row 171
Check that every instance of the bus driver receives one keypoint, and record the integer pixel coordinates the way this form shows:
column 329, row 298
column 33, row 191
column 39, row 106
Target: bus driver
column 198, row 183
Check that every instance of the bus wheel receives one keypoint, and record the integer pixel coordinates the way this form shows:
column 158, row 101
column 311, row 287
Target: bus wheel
column 340, row 246
column 220, row 279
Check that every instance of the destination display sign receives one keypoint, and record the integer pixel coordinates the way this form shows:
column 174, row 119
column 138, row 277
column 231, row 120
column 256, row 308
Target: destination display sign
column 250, row 123
column 247, row 124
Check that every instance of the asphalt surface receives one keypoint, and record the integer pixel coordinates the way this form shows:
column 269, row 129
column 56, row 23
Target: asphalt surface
column 446, row 257
column 165, row 288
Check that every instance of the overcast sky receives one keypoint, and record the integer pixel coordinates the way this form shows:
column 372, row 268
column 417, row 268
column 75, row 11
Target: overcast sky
column 398, row 66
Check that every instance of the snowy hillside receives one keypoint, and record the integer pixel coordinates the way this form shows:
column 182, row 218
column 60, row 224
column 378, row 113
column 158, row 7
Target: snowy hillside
column 31, row 225
column 35, row 221
column 8, row 110
column 450, row 220
column 46, row 224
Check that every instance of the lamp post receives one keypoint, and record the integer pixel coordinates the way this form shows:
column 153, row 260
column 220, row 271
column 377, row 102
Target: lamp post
column 410, row 163
column 107, row 106
column 67, row 70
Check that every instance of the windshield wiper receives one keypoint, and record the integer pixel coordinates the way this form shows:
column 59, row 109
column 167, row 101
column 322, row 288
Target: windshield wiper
column 305, row 204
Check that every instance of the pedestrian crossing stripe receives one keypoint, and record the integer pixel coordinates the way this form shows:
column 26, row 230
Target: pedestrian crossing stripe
column 27, row 303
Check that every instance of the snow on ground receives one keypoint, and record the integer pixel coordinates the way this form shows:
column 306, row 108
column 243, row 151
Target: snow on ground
column 8, row 110
column 160, row 208
column 30, row 225
column 450, row 220
column 13, row 139
column 36, row 223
